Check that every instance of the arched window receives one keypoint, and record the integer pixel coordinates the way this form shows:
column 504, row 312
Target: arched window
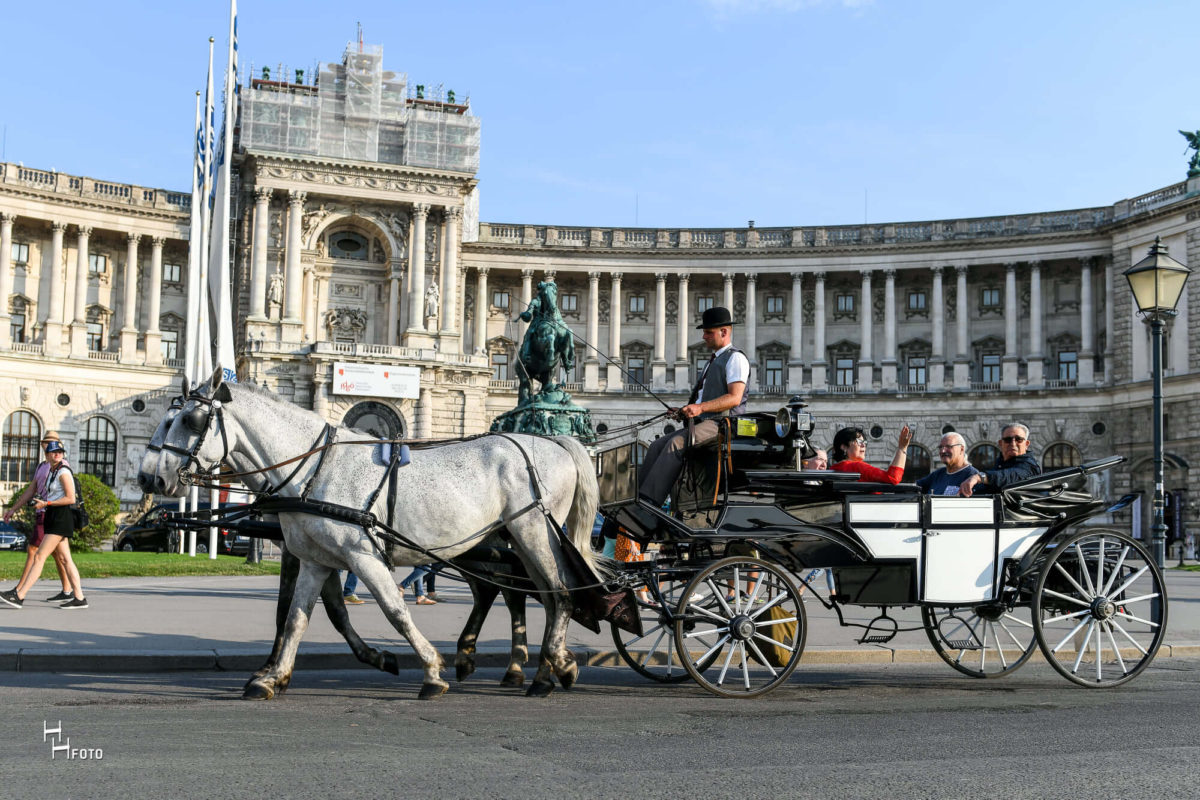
column 917, row 464
column 983, row 456
column 376, row 419
column 348, row 244
column 20, row 456
column 98, row 450
column 1061, row 455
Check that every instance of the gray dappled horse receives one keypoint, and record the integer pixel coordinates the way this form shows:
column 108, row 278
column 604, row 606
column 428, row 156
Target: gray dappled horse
column 448, row 499
column 289, row 569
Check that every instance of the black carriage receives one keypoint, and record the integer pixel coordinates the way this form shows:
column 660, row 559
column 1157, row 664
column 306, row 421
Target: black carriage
column 995, row 577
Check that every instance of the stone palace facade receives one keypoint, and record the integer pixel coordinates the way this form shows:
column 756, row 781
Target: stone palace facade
column 340, row 259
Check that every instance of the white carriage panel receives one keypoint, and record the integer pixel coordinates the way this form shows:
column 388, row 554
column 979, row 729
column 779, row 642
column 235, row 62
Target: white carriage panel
column 885, row 512
column 959, row 565
column 891, row 542
column 961, row 510
column 1015, row 542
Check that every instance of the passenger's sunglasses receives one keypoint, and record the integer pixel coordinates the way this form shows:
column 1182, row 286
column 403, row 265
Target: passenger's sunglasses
column 948, row 448
column 1012, row 439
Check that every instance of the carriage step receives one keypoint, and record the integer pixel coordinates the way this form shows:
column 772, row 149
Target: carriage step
column 875, row 639
column 962, row 644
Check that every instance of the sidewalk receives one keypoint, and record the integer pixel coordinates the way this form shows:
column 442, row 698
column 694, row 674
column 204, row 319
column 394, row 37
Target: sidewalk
column 227, row 623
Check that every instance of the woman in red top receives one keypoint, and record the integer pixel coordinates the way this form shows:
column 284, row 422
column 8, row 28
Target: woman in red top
column 850, row 448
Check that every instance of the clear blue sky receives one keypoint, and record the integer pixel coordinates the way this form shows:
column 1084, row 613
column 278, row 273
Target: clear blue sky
column 685, row 112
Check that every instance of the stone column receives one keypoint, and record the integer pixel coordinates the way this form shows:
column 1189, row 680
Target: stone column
column 425, row 414
column 616, row 380
column 1012, row 348
column 395, row 273
column 154, row 304
column 307, row 309
column 1087, row 322
column 962, row 357
column 79, row 326
column 526, row 297
column 1109, row 350
column 727, row 297
column 889, row 329
column 482, row 304
column 937, row 361
column 416, row 270
column 683, row 319
column 795, row 376
column 53, row 329
column 658, row 369
column 258, row 255
column 6, row 226
column 129, row 332
column 820, row 378
column 751, row 340
column 866, row 362
column 591, row 362
column 450, row 338
column 1035, row 365
column 293, row 281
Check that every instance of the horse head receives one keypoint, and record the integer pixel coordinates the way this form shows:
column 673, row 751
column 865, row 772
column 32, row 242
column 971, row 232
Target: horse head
column 196, row 437
column 548, row 292
column 149, row 463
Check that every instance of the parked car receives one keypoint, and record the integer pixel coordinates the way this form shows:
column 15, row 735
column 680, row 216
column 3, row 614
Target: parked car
column 150, row 533
column 11, row 538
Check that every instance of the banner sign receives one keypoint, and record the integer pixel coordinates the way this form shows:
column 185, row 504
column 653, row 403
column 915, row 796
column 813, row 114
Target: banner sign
column 376, row 380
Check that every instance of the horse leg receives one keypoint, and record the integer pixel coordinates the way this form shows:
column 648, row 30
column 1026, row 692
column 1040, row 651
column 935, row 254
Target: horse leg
column 541, row 562
column 335, row 608
column 483, row 594
column 289, row 568
column 514, row 676
column 378, row 579
column 276, row 679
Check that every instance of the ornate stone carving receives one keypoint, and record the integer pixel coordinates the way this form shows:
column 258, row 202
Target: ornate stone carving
column 312, row 220
column 346, row 322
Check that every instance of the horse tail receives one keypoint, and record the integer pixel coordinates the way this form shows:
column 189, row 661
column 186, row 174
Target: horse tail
column 584, row 503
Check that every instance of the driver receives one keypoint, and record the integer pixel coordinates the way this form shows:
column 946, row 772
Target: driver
column 720, row 391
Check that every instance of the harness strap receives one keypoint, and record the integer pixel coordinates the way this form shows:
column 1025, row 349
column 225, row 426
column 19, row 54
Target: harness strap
column 268, row 488
column 330, row 433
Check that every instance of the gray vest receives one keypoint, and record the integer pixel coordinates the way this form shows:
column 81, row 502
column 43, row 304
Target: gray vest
column 714, row 386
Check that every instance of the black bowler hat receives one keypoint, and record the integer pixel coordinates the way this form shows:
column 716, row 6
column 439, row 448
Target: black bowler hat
column 715, row 317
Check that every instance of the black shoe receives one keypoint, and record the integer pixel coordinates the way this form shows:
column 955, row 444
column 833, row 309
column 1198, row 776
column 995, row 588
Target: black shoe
column 73, row 603
column 58, row 598
column 11, row 598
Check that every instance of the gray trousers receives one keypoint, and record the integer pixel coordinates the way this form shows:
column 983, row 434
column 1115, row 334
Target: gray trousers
column 664, row 461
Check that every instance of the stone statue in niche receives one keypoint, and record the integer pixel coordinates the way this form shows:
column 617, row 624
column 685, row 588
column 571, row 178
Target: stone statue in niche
column 275, row 295
column 432, row 300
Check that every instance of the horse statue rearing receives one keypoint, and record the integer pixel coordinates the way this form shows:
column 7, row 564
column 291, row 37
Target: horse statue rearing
column 547, row 342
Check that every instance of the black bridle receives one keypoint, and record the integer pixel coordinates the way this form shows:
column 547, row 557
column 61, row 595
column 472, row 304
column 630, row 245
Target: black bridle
column 199, row 420
column 172, row 412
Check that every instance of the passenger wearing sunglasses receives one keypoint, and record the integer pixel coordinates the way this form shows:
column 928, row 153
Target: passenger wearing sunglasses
column 947, row 480
column 1014, row 464
column 850, row 451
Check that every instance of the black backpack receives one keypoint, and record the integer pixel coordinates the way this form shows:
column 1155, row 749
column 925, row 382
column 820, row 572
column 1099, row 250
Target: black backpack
column 79, row 515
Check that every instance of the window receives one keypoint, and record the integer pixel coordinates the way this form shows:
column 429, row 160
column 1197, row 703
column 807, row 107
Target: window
column 990, row 372
column 1060, row 456
column 703, row 303
column 348, row 244
column 568, row 302
column 1068, row 365
column 843, row 371
column 20, row 254
column 845, row 303
column 17, row 328
column 917, row 300
column 21, row 453
column 916, row 371
column 172, row 273
column 917, row 463
column 774, row 304
column 637, row 304
column 774, row 372
column 97, row 264
column 170, row 345
column 500, row 366
column 98, row 450
column 983, row 456
column 500, row 299
column 636, row 367
column 989, row 298
column 95, row 336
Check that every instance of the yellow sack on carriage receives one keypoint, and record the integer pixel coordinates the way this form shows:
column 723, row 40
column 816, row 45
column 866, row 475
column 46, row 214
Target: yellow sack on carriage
column 777, row 655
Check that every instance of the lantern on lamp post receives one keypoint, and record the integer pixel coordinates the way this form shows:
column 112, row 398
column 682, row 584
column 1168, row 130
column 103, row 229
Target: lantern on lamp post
column 1157, row 283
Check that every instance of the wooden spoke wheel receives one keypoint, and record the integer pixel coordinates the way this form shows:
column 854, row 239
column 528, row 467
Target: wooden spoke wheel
column 988, row 640
column 1099, row 608
column 740, row 627
column 653, row 654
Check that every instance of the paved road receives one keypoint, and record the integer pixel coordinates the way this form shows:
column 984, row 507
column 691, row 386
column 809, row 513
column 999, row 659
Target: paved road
column 897, row 731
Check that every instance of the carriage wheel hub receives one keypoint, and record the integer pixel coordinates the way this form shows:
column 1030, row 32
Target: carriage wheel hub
column 1103, row 608
column 741, row 627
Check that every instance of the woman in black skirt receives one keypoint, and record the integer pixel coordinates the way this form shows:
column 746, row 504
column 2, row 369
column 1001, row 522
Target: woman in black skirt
column 59, row 527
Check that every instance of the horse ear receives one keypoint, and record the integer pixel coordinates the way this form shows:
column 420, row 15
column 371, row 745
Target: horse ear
column 223, row 394
column 183, row 388
column 215, row 381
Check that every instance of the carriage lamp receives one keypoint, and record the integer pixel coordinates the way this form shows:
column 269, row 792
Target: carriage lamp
column 792, row 418
column 1157, row 283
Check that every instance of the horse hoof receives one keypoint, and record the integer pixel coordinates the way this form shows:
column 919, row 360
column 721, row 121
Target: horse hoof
column 463, row 671
column 513, row 679
column 255, row 690
column 568, row 676
column 391, row 663
column 540, row 689
column 431, row 690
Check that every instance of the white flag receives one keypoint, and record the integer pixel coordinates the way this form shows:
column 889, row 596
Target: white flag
column 197, row 349
column 219, row 273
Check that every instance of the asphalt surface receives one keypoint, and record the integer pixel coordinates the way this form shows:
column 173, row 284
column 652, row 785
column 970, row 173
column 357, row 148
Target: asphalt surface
column 227, row 623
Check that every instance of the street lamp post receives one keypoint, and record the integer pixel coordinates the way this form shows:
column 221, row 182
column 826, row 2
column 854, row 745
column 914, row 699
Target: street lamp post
column 1157, row 283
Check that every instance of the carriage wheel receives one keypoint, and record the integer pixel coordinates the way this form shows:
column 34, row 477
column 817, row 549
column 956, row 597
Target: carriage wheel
column 1099, row 608
column 988, row 640
column 742, row 628
column 653, row 654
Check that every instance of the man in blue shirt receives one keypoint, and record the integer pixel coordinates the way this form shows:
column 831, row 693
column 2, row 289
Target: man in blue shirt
column 1014, row 465
column 946, row 481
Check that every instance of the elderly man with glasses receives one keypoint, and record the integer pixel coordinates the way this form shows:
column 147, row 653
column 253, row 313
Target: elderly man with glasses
column 1014, row 464
column 947, row 480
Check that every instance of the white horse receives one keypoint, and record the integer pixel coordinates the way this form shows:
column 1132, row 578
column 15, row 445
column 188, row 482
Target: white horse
column 446, row 500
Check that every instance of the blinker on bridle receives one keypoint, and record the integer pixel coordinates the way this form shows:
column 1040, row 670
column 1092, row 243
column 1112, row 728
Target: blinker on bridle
column 175, row 406
column 198, row 420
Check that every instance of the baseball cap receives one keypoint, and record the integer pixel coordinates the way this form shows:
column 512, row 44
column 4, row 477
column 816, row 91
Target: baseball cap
column 55, row 446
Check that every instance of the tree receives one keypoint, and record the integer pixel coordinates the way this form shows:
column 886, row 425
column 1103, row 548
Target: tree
column 100, row 502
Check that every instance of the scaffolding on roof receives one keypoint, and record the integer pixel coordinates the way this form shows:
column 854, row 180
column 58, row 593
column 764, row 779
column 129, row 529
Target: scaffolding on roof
column 357, row 110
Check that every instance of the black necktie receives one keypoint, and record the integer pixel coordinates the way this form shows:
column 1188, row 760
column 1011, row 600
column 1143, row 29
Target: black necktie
column 700, row 380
